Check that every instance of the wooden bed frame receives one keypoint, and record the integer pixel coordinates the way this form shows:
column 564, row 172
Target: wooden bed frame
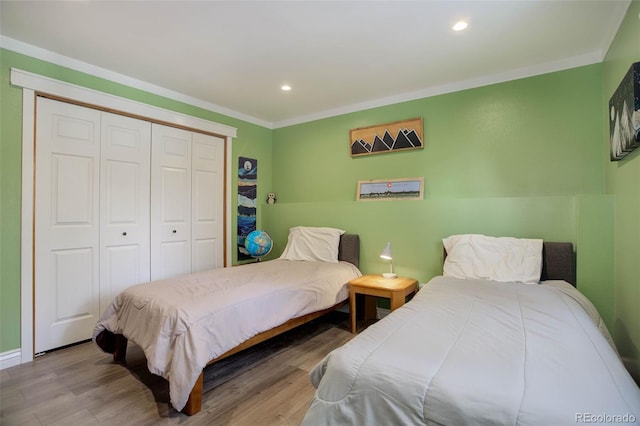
column 349, row 251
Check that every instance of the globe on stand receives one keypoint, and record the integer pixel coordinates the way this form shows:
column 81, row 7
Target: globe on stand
column 258, row 244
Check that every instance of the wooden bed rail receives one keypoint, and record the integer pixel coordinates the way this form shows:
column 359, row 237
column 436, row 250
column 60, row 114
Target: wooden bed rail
column 194, row 403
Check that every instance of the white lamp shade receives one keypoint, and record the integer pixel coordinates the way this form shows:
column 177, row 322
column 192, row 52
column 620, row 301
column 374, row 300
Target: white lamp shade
column 386, row 252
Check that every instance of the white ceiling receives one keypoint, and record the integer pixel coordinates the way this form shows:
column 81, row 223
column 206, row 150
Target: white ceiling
column 339, row 56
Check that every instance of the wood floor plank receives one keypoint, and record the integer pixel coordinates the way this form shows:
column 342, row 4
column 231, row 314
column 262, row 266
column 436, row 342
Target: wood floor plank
column 58, row 409
column 279, row 403
column 19, row 418
column 266, row 385
column 81, row 417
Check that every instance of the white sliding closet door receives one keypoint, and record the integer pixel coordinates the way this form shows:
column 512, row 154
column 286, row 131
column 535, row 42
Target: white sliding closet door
column 124, row 204
column 170, row 202
column 67, row 227
column 118, row 201
column 207, row 202
column 187, row 202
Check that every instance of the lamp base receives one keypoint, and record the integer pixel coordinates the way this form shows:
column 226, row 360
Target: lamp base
column 389, row 275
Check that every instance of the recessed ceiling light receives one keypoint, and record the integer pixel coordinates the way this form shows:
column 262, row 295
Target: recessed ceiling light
column 459, row 26
column 285, row 88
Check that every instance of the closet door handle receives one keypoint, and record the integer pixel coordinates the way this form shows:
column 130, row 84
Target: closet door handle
column 124, row 233
column 174, row 231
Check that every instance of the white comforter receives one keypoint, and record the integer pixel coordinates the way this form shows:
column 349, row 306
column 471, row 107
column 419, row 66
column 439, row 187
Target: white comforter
column 183, row 323
column 471, row 352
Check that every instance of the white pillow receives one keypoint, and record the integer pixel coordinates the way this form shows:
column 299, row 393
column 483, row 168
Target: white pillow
column 502, row 259
column 313, row 243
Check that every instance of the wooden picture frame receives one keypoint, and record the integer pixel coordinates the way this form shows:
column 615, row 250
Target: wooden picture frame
column 389, row 137
column 390, row 189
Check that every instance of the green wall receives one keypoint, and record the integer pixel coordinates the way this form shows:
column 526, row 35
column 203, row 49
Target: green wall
column 532, row 137
column 252, row 141
column 623, row 182
column 527, row 158
column 522, row 158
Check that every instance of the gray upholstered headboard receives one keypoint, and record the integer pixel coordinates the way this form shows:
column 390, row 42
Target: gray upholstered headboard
column 558, row 262
column 349, row 249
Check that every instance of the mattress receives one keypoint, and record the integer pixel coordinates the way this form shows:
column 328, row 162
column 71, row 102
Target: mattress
column 474, row 352
column 182, row 323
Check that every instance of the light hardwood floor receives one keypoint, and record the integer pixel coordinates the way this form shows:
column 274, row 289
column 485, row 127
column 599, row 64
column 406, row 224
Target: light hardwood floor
column 80, row 385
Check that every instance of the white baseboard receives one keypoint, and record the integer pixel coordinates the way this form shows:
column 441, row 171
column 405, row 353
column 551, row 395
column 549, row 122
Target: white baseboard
column 382, row 312
column 10, row 359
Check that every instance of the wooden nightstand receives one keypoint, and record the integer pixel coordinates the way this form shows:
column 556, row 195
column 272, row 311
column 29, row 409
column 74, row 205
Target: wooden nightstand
column 395, row 289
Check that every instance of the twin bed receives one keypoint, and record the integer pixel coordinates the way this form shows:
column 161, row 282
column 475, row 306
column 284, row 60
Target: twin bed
column 482, row 344
column 185, row 323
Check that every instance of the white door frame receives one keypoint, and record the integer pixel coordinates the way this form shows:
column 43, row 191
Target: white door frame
column 32, row 83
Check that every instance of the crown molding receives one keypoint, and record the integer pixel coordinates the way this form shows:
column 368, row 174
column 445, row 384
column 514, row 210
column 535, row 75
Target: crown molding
column 76, row 65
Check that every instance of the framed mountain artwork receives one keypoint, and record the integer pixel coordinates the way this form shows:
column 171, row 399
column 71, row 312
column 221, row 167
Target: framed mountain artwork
column 390, row 137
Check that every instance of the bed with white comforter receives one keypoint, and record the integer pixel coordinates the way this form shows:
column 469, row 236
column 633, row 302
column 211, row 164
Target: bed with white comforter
column 484, row 344
column 183, row 323
column 470, row 352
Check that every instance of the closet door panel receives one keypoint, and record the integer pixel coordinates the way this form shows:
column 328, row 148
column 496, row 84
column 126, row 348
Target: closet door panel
column 71, row 269
column 205, row 245
column 170, row 202
column 72, row 199
column 174, row 259
column 66, row 246
column 208, row 202
column 124, row 194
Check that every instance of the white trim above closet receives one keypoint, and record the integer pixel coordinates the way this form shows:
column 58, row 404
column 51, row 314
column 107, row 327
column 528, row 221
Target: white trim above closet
column 34, row 84
column 38, row 83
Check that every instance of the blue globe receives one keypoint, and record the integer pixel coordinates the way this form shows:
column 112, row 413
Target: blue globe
column 258, row 243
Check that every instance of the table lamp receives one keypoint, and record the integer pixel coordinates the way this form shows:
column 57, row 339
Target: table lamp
column 386, row 254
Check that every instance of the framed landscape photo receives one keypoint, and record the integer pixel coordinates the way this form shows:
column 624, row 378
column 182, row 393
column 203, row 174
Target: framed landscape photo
column 390, row 189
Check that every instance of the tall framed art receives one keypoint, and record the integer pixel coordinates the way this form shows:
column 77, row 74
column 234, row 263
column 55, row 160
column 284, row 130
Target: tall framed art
column 624, row 115
column 247, row 193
